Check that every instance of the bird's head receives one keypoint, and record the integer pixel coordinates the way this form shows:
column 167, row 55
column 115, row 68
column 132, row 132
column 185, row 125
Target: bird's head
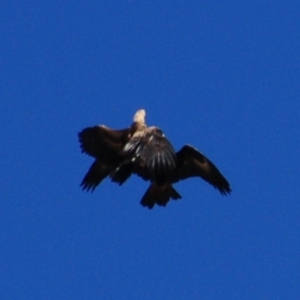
column 139, row 117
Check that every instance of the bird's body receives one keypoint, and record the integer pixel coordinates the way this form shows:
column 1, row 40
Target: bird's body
column 146, row 152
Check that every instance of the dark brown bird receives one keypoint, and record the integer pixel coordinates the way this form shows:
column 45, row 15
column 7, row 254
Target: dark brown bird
column 146, row 152
column 105, row 145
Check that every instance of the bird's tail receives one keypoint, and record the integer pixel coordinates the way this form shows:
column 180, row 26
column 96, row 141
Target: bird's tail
column 159, row 194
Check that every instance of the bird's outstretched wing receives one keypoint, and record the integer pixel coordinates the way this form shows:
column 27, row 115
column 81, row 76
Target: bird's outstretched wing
column 103, row 143
column 95, row 175
column 192, row 163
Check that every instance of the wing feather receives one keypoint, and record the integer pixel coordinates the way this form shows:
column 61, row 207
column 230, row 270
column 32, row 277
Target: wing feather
column 156, row 156
column 192, row 163
column 102, row 142
column 94, row 176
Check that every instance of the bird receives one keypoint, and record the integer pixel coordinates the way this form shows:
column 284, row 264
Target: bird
column 146, row 152
column 105, row 145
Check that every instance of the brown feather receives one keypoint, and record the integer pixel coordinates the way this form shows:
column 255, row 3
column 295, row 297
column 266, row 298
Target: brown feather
column 192, row 163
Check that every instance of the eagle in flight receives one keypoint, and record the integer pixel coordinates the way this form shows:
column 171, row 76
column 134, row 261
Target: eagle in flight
column 146, row 152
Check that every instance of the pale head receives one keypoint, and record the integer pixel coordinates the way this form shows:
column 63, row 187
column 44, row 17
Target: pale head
column 139, row 116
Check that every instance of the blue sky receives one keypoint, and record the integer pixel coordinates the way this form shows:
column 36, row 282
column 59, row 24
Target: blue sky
column 222, row 76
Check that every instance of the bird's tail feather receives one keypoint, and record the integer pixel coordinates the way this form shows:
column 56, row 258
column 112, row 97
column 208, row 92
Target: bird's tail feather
column 159, row 194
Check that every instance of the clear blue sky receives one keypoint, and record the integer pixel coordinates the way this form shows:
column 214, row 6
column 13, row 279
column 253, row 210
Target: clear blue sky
column 222, row 76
